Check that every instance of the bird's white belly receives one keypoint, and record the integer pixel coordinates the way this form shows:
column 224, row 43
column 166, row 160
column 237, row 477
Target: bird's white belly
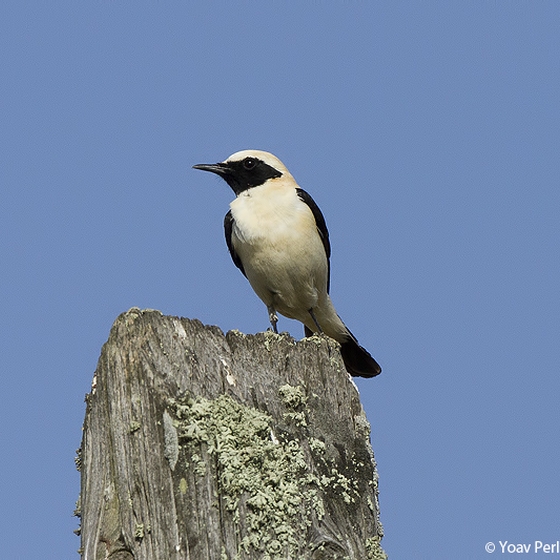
column 281, row 251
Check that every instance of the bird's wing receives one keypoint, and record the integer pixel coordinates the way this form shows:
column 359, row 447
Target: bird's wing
column 321, row 227
column 228, row 225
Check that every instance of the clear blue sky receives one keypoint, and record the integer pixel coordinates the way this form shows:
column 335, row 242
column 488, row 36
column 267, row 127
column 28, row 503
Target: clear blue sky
column 429, row 134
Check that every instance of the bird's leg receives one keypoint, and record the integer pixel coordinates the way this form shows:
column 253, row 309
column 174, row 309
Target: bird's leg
column 319, row 329
column 273, row 318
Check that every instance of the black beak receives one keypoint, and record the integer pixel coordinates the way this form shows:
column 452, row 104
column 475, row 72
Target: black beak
column 221, row 169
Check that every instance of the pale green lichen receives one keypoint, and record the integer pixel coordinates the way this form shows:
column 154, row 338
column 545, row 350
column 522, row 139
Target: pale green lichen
column 78, row 514
column 374, row 550
column 315, row 338
column 292, row 397
column 134, row 427
column 273, row 477
column 267, row 340
column 362, row 426
column 139, row 531
column 183, row 486
column 271, row 338
column 199, row 465
column 294, row 400
column 298, row 418
column 266, row 477
column 316, row 445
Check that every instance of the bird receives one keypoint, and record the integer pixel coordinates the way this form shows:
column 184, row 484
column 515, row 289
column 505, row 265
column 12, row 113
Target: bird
column 277, row 236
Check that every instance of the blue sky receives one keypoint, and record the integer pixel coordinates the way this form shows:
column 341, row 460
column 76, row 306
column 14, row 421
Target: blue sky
column 427, row 132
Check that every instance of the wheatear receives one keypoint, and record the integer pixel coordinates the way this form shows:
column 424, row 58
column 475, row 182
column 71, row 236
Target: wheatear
column 278, row 238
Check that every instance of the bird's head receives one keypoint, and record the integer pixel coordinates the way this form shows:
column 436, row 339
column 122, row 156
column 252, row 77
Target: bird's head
column 247, row 169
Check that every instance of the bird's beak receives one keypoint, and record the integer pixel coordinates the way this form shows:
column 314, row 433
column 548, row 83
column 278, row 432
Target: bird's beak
column 221, row 169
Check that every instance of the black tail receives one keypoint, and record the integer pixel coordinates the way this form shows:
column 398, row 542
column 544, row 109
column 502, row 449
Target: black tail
column 358, row 361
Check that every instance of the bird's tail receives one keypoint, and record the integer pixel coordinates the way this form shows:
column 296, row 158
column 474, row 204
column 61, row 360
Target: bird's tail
column 357, row 360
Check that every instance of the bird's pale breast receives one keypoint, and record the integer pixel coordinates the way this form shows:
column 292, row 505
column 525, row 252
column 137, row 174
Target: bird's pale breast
column 276, row 237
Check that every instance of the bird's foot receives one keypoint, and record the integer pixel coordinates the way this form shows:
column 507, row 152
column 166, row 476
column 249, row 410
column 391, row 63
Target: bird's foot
column 273, row 318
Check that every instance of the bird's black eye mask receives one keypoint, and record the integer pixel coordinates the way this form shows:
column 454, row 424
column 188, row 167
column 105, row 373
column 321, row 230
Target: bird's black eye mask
column 247, row 173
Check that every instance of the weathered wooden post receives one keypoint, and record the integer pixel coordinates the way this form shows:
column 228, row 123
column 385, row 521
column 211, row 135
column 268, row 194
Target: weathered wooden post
column 202, row 446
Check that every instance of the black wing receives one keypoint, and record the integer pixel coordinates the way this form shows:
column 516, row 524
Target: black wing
column 228, row 224
column 321, row 228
